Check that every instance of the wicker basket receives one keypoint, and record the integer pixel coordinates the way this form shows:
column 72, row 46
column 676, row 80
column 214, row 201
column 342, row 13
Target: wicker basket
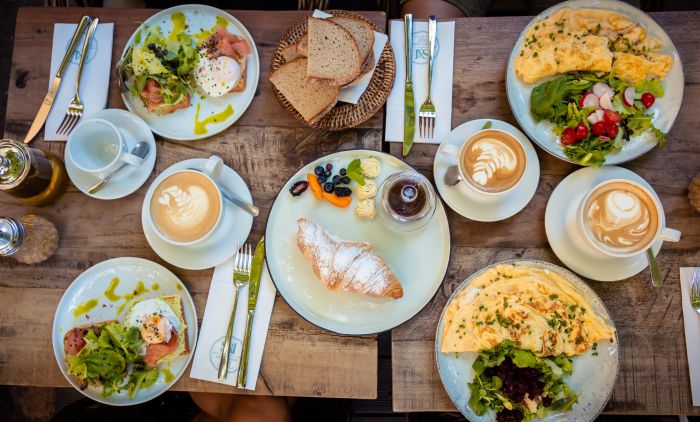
column 343, row 115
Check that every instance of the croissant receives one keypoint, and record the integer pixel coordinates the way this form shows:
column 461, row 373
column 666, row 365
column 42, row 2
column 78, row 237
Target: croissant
column 346, row 265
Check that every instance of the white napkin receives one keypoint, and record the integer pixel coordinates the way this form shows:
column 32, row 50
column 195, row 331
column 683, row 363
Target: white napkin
column 441, row 93
column 691, row 321
column 94, row 82
column 352, row 93
column 205, row 365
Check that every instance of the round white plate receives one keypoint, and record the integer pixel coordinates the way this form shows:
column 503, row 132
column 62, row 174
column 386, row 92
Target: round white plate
column 472, row 204
column 665, row 109
column 92, row 284
column 222, row 244
column 593, row 376
column 179, row 125
column 420, row 272
column 130, row 178
column 566, row 241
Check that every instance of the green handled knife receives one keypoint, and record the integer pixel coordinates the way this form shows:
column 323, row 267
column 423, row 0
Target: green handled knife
column 253, row 288
column 409, row 117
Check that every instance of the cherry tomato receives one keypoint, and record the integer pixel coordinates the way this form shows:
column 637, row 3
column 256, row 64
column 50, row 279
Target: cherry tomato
column 599, row 129
column 611, row 116
column 612, row 129
column 568, row 136
column 648, row 99
column 581, row 131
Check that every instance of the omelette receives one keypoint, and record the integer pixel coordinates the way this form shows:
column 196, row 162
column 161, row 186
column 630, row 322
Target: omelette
column 537, row 309
column 590, row 40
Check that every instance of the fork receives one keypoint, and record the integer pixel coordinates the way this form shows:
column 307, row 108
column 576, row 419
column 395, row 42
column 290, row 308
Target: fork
column 426, row 114
column 241, row 277
column 695, row 290
column 75, row 107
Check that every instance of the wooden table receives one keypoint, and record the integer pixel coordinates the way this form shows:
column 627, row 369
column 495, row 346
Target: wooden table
column 653, row 376
column 265, row 147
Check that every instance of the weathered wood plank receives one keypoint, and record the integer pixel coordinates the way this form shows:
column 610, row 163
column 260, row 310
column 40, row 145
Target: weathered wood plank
column 653, row 376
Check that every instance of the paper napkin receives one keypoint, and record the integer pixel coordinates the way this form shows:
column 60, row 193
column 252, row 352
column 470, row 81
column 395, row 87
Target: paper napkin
column 205, row 365
column 691, row 321
column 352, row 93
column 441, row 93
column 94, row 82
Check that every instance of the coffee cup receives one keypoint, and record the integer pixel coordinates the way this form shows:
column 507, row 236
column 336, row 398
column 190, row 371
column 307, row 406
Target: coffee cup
column 97, row 147
column 186, row 206
column 620, row 218
column 491, row 162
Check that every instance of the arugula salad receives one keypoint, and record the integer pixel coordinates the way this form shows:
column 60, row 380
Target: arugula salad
column 520, row 386
column 595, row 114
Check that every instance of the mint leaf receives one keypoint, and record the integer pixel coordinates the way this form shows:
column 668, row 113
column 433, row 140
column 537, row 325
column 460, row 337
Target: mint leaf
column 487, row 125
column 354, row 171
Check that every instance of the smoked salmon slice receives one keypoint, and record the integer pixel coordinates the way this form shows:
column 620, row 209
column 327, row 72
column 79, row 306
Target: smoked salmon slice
column 155, row 352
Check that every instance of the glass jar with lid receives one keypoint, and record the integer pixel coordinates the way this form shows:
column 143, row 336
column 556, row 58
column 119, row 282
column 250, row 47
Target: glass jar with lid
column 407, row 201
column 32, row 176
column 30, row 239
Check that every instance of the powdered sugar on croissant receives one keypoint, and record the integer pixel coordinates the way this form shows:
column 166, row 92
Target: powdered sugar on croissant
column 346, row 265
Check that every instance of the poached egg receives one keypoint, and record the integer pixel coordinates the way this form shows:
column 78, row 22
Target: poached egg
column 155, row 320
column 217, row 75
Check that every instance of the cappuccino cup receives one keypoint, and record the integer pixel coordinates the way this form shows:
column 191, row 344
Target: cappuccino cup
column 97, row 147
column 621, row 218
column 491, row 162
column 186, row 206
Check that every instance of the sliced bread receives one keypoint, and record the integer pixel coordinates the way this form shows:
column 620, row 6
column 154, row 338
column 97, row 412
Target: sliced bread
column 361, row 31
column 333, row 52
column 296, row 50
column 312, row 98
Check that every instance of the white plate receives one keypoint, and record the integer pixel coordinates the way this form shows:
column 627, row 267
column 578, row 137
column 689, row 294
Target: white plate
column 665, row 109
column 179, row 125
column 568, row 244
column 92, row 284
column 421, row 273
column 222, row 244
column 476, row 206
column 593, row 376
column 130, row 178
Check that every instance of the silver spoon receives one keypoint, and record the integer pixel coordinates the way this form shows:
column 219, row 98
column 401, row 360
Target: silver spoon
column 140, row 150
column 249, row 208
column 656, row 279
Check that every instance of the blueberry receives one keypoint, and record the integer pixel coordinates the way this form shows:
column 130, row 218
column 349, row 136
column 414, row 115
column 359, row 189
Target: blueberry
column 318, row 170
column 322, row 179
column 329, row 167
column 343, row 172
column 346, row 180
column 328, row 187
column 336, row 180
column 327, row 173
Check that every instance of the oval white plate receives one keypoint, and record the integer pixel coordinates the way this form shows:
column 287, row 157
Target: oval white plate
column 179, row 125
column 665, row 109
column 418, row 259
column 91, row 284
column 593, row 376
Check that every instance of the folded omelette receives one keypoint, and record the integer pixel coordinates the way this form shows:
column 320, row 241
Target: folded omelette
column 537, row 309
column 590, row 40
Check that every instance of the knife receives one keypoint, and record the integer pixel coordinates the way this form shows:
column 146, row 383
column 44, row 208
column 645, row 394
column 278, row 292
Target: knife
column 409, row 117
column 45, row 107
column 253, row 287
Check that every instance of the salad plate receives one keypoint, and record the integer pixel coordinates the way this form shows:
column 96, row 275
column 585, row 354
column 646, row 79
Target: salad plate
column 182, row 32
column 344, row 312
column 592, row 373
column 641, row 117
column 94, row 296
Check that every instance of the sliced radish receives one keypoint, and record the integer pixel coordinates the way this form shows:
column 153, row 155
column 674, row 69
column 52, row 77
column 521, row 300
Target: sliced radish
column 628, row 96
column 593, row 118
column 589, row 99
column 601, row 89
column 604, row 138
column 600, row 114
column 606, row 102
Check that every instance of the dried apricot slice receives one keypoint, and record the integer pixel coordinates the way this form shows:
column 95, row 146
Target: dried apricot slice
column 315, row 187
column 338, row 201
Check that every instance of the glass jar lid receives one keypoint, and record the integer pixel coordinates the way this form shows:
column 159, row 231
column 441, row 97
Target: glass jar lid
column 14, row 163
column 11, row 236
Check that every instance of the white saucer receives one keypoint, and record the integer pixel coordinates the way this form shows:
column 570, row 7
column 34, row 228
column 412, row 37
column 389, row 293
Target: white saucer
column 568, row 245
column 130, row 178
column 476, row 206
column 221, row 245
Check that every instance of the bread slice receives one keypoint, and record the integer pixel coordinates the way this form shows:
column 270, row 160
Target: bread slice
column 294, row 51
column 183, row 343
column 312, row 98
column 361, row 31
column 333, row 52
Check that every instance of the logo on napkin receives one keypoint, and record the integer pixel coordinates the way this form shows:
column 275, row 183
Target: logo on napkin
column 421, row 50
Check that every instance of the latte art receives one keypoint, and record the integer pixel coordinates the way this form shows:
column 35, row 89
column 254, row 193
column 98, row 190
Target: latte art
column 621, row 217
column 185, row 206
column 493, row 161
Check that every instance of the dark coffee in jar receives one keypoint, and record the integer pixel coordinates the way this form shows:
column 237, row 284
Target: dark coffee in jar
column 407, row 197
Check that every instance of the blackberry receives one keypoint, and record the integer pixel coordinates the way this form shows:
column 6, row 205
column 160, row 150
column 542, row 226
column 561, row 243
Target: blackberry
column 336, row 180
column 328, row 187
column 343, row 172
column 329, row 167
column 346, row 180
column 298, row 187
column 318, row 171
column 342, row 191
